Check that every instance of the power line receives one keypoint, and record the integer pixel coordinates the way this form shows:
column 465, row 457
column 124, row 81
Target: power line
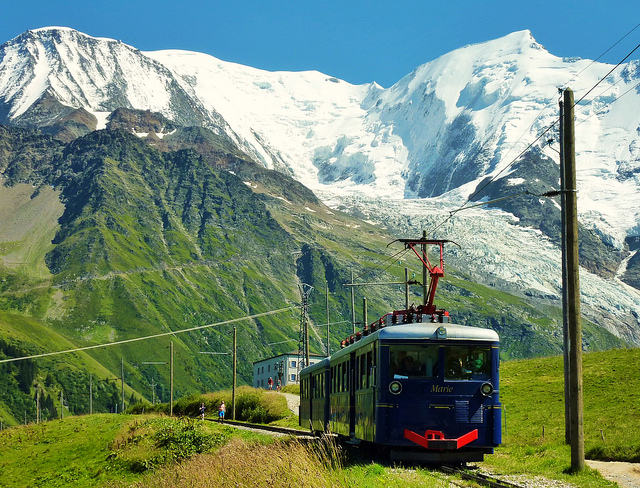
column 136, row 339
column 607, row 75
column 609, row 104
column 513, row 161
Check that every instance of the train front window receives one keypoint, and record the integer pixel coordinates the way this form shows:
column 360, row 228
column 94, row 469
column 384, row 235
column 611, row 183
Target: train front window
column 413, row 361
column 467, row 363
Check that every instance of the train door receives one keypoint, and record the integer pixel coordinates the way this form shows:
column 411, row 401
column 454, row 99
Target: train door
column 341, row 397
column 365, row 392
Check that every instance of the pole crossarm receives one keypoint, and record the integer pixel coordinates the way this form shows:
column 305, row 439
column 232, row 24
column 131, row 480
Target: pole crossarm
column 410, row 282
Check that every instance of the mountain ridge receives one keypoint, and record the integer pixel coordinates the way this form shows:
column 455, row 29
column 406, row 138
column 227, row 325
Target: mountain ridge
column 143, row 243
column 406, row 157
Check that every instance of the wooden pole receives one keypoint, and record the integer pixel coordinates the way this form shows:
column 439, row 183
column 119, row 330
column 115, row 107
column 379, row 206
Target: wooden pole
column 406, row 288
column 573, row 287
column 171, row 381
column 326, row 293
column 233, row 393
column 565, row 308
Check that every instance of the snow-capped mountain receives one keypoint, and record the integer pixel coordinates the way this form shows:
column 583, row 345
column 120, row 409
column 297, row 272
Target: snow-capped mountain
column 425, row 143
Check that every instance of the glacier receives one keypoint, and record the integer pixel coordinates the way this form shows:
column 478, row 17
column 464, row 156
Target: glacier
column 405, row 156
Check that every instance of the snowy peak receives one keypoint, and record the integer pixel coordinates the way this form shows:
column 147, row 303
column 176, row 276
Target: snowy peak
column 437, row 132
column 427, row 142
column 97, row 74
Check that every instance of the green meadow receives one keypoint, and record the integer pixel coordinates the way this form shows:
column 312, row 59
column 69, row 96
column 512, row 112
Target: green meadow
column 152, row 450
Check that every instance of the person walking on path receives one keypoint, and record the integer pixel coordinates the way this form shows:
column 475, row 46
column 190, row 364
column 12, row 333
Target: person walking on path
column 202, row 409
column 221, row 411
column 270, row 383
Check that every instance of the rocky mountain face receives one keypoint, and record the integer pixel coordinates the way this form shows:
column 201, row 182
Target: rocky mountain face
column 406, row 157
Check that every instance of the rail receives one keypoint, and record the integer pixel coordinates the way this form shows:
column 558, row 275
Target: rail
column 482, row 479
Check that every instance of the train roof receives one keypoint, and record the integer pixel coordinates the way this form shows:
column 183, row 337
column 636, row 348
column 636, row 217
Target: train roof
column 319, row 365
column 438, row 331
column 427, row 331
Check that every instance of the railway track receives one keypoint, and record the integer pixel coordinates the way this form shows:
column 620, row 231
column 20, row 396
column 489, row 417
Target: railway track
column 263, row 427
column 463, row 473
column 479, row 478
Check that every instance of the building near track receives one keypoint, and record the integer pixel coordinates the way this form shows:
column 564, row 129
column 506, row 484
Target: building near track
column 287, row 367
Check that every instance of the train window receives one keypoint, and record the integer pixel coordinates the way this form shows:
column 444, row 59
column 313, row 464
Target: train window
column 345, row 376
column 467, row 363
column 415, row 361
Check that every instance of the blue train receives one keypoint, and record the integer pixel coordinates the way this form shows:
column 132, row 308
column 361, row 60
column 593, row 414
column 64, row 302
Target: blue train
column 425, row 391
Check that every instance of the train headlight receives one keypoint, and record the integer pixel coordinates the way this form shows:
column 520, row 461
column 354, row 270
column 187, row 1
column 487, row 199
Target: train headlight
column 486, row 389
column 395, row 387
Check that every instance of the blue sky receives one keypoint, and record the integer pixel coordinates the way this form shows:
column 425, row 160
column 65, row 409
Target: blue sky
column 355, row 40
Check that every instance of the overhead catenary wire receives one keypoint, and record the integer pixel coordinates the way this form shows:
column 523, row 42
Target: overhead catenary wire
column 391, row 260
column 154, row 336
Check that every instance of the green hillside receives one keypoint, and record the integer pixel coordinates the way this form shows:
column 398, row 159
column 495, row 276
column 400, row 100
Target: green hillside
column 101, row 450
column 107, row 239
column 532, row 393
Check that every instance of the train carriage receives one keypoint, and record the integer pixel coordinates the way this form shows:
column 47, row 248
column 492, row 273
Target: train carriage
column 424, row 391
column 314, row 396
column 412, row 383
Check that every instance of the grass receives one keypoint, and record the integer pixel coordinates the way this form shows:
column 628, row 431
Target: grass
column 61, row 453
column 104, row 449
column 156, row 451
column 533, row 416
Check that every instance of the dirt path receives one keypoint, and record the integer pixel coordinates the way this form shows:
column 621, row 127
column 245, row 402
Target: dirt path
column 293, row 401
column 627, row 475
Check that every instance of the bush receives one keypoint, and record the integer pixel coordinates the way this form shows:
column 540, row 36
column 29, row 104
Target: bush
column 148, row 444
column 293, row 389
column 252, row 405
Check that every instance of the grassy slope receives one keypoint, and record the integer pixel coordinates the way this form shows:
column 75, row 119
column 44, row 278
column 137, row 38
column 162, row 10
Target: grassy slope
column 151, row 243
column 61, row 452
column 30, row 221
column 532, row 394
column 531, row 391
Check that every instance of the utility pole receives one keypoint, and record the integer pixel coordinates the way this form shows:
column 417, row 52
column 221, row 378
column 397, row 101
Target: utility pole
column 171, row 387
column 365, row 318
column 153, row 392
column 303, row 343
column 122, row 381
column 565, row 317
column 61, row 406
column 37, row 404
column 326, row 293
column 573, row 287
column 90, row 394
column 233, row 394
